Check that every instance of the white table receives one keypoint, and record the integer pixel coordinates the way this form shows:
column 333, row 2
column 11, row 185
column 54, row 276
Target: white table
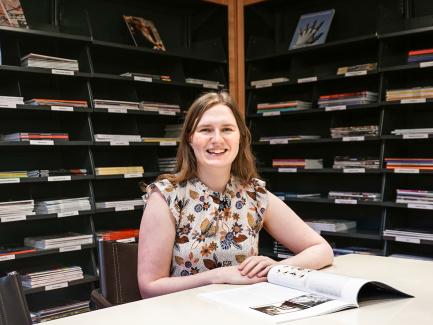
column 411, row 276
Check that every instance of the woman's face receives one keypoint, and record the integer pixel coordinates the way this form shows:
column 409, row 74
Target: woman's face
column 215, row 141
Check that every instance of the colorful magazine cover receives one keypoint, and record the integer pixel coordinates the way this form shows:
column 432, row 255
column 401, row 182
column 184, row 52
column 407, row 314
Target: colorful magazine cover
column 312, row 29
column 144, row 32
column 11, row 14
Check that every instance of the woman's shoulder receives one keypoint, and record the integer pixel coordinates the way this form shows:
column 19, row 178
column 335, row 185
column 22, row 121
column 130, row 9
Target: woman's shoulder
column 255, row 185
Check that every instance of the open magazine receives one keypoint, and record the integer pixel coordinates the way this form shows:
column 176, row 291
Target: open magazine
column 293, row 293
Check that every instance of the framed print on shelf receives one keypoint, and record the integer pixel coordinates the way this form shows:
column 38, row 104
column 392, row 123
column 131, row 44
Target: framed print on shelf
column 312, row 29
column 144, row 32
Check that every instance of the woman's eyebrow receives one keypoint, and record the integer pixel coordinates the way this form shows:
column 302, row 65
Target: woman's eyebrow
column 210, row 125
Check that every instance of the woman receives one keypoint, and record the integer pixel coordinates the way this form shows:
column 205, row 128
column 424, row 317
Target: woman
column 204, row 220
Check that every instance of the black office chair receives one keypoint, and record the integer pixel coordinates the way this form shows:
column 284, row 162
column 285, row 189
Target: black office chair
column 13, row 304
column 117, row 275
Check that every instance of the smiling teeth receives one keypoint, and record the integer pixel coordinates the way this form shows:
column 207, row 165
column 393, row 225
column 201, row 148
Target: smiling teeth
column 217, row 151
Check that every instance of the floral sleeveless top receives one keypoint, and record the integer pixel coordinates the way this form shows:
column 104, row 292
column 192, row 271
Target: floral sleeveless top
column 213, row 229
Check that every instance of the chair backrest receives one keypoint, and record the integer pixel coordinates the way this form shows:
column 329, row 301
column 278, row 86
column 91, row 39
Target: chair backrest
column 13, row 304
column 118, row 271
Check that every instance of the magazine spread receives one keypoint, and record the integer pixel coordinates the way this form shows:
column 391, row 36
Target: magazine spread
column 293, row 293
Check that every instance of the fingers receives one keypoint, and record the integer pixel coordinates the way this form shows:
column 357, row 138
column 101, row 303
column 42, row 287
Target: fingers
column 256, row 266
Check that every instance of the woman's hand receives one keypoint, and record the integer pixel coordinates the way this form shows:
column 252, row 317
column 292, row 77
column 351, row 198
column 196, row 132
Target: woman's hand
column 231, row 275
column 256, row 266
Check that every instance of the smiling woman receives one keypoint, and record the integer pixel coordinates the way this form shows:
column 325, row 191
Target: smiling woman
column 201, row 225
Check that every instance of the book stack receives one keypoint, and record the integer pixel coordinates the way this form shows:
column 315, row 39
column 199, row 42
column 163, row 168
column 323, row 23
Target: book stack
column 409, row 163
column 298, row 163
column 286, row 106
column 281, row 251
column 413, row 133
column 409, row 235
column 57, row 172
column 11, row 209
column 161, row 108
column 116, row 104
column 268, row 82
column 288, row 138
column 119, row 170
column 50, row 62
column 167, row 164
column 420, row 55
column 51, row 276
column 120, row 205
column 69, row 309
column 342, row 162
column 409, row 94
column 415, row 197
column 146, row 76
column 332, row 225
column 205, row 83
column 292, row 195
column 63, row 205
column 354, row 131
column 13, row 174
column 10, row 101
column 346, row 99
column 357, row 68
column 59, row 240
column 118, row 235
column 27, row 136
column 56, row 102
column 117, row 138
column 359, row 196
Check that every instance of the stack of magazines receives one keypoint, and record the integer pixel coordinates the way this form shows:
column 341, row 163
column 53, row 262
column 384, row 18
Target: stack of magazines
column 57, row 172
column 27, row 136
column 298, row 163
column 56, row 102
column 409, row 94
column 341, row 162
column 117, row 138
column 146, row 76
column 415, row 197
column 357, row 68
column 409, row 235
column 286, row 106
column 10, row 101
column 359, row 196
column 116, row 104
column 59, row 240
column 10, row 209
column 331, row 225
column 288, row 138
column 124, row 234
column 409, row 163
column 161, row 108
column 119, row 170
column 346, row 99
column 16, row 249
column 51, row 276
column 420, row 55
column 353, row 131
column 167, row 164
column 50, row 62
column 13, row 174
column 63, row 205
column 281, row 251
column 123, row 204
column 205, row 83
column 69, row 309
column 292, row 195
column 408, row 133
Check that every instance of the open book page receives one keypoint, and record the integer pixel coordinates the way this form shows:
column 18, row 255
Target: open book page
column 330, row 285
column 276, row 303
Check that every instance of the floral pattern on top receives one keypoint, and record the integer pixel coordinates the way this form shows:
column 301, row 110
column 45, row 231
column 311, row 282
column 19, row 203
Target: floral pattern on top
column 213, row 229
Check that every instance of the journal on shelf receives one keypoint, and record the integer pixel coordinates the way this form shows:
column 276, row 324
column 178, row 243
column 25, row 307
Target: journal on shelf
column 294, row 293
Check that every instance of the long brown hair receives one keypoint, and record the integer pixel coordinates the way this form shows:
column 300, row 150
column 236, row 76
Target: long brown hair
column 243, row 167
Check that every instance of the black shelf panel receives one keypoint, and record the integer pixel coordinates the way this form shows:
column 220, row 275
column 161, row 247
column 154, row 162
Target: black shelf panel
column 322, row 140
column 421, row 241
column 48, row 34
column 294, row 170
column 407, row 32
column 55, row 143
column 403, row 67
column 360, row 234
column 136, row 112
column 114, row 210
column 87, row 279
column 340, row 43
column 46, row 71
column 13, row 180
column 169, row 54
column 122, row 176
column 59, row 108
column 332, row 201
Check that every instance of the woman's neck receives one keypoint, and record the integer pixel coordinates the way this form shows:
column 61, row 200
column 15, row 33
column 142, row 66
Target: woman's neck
column 215, row 179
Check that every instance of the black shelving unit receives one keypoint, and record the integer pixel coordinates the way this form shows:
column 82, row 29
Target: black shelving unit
column 361, row 32
column 94, row 33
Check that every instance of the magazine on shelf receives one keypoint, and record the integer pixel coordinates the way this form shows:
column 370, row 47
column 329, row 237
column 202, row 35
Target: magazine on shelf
column 294, row 293
column 144, row 32
column 312, row 29
column 11, row 14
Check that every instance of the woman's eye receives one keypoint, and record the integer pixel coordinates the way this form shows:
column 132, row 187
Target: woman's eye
column 204, row 130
